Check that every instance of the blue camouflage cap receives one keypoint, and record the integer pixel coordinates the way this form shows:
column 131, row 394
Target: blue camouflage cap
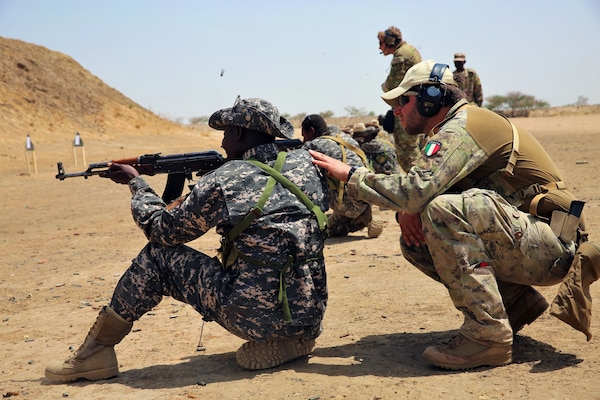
column 255, row 114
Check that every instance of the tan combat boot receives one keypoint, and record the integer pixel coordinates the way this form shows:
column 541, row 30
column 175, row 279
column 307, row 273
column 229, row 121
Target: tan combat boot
column 254, row 355
column 95, row 359
column 374, row 229
column 461, row 353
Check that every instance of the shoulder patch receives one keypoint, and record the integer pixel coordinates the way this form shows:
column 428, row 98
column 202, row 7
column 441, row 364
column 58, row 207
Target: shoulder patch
column 432, row 147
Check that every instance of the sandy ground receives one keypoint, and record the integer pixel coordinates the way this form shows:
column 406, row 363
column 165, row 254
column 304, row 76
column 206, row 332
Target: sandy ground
column 64, row 245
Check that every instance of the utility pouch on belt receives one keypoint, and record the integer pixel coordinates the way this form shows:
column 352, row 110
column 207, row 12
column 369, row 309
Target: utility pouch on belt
column 573, row 302
column 564, row 225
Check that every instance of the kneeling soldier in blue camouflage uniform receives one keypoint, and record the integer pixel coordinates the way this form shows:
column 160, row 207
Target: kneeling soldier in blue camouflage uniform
column 349, row 215
column 269, row 286
column 475, row 214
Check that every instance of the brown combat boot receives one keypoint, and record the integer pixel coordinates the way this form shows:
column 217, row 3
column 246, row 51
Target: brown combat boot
column 95, row 359
column 526, row 309
column 462, row 353
column 254, row 355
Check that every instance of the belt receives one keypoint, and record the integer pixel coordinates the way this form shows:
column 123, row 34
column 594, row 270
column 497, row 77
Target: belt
column 537, row 192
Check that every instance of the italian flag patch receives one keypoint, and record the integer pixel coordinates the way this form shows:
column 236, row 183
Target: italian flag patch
column 432, row 147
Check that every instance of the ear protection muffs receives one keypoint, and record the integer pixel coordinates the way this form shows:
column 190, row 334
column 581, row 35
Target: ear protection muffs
column 431, row 96
column 390, row 39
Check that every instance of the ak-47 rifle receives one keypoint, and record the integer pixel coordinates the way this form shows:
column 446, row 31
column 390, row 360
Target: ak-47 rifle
column 179, row 167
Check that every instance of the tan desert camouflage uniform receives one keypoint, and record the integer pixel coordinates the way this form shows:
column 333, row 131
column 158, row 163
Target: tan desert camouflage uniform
column 483, row 243
column 407, row 147
column 243, row 298
column 469, row 82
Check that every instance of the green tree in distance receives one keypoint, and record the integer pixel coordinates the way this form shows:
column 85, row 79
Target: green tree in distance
column 514, row 102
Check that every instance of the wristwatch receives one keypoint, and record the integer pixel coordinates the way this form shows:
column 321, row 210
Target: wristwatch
column 352, row 169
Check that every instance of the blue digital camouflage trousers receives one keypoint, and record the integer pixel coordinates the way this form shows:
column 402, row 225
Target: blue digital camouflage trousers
column 196, row 279
column 483, row 250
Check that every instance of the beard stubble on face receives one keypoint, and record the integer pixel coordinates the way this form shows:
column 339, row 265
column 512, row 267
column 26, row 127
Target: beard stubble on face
column 412, row 122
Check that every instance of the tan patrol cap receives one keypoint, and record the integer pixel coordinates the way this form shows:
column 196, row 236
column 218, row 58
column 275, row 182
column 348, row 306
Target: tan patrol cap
column 359, row 128
column 417, row 75
column 460, row 57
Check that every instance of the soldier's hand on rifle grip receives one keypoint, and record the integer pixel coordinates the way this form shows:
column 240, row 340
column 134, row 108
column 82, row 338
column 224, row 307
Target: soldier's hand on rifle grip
column 120, row 173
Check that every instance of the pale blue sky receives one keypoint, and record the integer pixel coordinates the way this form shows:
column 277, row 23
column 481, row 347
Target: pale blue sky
column 310, row 56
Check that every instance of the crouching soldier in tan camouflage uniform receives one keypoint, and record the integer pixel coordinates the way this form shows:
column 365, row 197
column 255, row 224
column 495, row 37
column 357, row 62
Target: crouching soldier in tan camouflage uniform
column 269, row 286
column 478, row 213
column 348, row 215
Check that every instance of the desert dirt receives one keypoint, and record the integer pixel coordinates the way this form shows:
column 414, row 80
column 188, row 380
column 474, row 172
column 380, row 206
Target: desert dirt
column 64, row 245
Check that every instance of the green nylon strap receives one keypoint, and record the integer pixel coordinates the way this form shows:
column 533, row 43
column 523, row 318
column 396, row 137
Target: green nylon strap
column 257, row 210
column 359, row 152
column 282, row 297
column 321, row 218
column 230, row 253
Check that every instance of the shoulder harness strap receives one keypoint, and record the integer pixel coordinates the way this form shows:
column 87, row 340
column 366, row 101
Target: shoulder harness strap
column 257, row 210
column 343, row 145
column 350, row 146
column 276, row 174
column 514, row 152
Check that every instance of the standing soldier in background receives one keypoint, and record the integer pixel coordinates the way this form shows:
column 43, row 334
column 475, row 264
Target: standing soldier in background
column 468, row 80
column 404, row 57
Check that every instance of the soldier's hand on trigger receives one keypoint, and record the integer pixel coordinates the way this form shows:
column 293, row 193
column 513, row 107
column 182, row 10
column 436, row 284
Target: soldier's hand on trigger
column 120, row 173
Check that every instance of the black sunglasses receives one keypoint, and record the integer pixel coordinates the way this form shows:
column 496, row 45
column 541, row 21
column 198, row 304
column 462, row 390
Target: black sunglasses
column 404, row 99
